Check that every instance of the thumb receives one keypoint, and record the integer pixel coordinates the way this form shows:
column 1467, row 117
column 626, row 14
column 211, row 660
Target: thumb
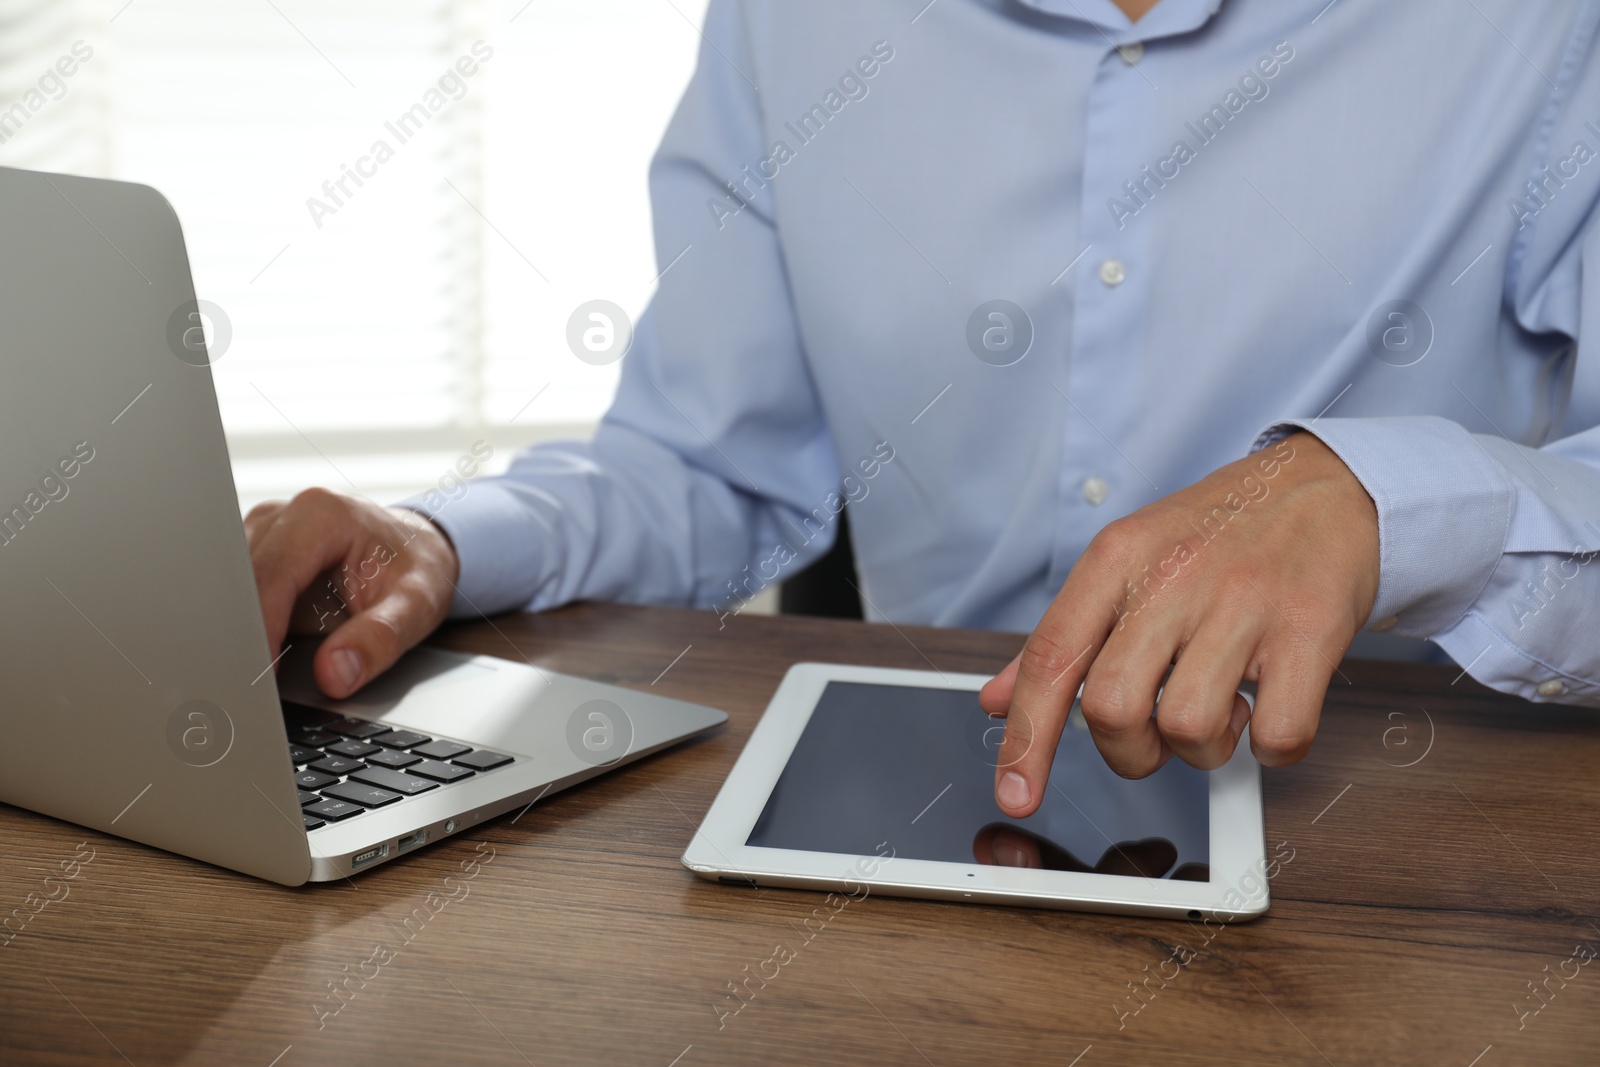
column 995, row 696
column 371, row 640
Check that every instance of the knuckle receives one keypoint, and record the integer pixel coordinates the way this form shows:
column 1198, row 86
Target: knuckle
column 1237, row 594
column 1187, row 727
column 1306, row 612
column 263, row 512
column 317, row 499
column 1136, row 767
column 384, row 640
column 1016, row 738
column 258, row 520
column 1108, row 703
column 427, row 599
column 1117, row 545
column 1281, row 742
column 1046, row 655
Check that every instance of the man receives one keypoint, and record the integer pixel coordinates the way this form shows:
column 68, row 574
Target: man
column 1205, row 333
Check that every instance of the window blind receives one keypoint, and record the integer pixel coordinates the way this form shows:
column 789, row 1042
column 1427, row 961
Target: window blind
column 396, row 204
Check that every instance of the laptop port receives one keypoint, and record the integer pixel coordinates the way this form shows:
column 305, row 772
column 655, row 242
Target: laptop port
column 411, row 841
column 361, row 859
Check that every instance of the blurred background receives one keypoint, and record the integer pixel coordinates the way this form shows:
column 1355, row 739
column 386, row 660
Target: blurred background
column 376, row 338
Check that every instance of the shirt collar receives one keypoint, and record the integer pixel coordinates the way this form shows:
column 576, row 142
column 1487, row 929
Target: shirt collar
column 1168, row 18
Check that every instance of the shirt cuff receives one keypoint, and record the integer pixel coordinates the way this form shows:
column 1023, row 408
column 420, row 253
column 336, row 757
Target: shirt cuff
column 1496, row 661
column 496, row 535
column 1444, row 511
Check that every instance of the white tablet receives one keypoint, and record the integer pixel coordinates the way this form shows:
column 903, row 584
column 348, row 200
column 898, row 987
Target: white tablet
column 864, row 780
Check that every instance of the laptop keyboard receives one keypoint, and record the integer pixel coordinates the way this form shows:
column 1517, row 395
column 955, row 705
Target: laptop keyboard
column 345, row 767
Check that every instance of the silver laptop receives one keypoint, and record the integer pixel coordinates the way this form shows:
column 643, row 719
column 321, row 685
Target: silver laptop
column 137, row 694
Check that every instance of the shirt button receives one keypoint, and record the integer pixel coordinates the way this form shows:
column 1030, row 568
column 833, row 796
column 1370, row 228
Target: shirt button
column 1112, row 272
column 1095, row 491
column 1131, row 53
column 1384, row 624
column 1552, row 688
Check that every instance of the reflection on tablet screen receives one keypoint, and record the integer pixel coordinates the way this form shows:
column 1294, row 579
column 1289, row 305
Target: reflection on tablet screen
column 915, row 767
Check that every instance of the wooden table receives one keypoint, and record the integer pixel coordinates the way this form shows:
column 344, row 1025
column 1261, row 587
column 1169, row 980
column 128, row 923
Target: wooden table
column 1443, row 843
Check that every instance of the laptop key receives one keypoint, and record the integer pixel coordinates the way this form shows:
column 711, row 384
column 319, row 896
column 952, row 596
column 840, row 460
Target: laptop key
column 367, row 796
column 332, row 809
column 357, row 729
column 302, row 755
column 312, row 738
column 384, row 778
column 314, row 779
column 439, row 772
column 440, row 749
column 336, row 765
column 393, row 759
column 311, row 824
column 482, row 760
column 307, row 798
column 353, row 748
column 401, row 739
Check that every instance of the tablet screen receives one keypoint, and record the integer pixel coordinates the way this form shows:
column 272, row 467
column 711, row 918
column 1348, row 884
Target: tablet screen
column 914, row 767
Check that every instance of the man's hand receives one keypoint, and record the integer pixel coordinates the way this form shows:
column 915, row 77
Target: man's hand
column 375, row 580
column 1261, row 572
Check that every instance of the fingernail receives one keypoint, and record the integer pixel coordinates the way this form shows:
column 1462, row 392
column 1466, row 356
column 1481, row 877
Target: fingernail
column 347, row 667
column 1009, row 856
column 1013, row 790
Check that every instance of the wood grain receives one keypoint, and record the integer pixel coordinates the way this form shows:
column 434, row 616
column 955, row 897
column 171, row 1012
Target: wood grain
column 1419, row 903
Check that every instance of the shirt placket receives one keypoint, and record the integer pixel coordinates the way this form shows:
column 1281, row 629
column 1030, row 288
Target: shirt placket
column 1111, row 294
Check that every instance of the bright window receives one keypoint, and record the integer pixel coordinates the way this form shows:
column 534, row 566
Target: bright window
column 396, row 219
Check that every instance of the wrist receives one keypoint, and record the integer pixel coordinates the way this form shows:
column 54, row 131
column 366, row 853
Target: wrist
column 432, row 538
column 1443, row 506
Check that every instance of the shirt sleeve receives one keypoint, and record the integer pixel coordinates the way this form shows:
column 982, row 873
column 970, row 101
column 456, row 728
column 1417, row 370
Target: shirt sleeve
column 715, row 447
column 1488, row 547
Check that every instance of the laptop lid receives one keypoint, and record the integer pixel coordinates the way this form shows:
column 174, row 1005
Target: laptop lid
column 135, row 688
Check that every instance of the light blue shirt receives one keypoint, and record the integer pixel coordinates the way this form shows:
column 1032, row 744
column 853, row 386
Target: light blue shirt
column 1372, row 220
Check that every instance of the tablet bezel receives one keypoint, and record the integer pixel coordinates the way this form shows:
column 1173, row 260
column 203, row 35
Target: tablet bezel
column 1238, row 888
